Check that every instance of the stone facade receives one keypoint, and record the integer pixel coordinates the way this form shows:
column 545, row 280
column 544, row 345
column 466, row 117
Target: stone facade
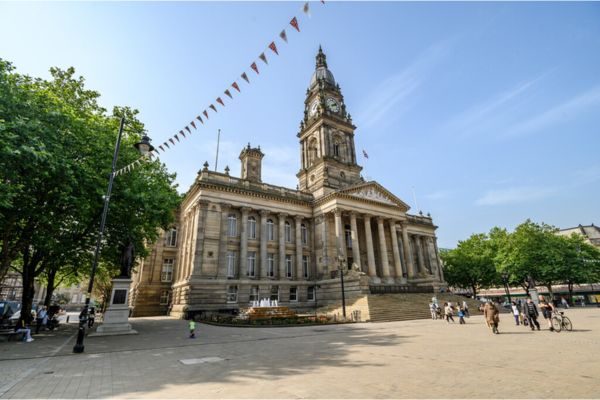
column 239, row 239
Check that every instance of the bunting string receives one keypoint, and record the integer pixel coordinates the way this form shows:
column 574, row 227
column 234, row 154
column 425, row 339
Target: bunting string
column 272, row 46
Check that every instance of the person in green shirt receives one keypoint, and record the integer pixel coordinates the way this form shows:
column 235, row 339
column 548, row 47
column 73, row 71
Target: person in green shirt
column 192, row 329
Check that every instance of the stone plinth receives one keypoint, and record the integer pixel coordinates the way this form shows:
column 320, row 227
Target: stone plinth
column 116, row 317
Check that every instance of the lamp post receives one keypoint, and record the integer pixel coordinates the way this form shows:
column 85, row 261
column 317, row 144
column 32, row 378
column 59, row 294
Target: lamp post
column 341, row 262
column 144, row 147
column 506, row 288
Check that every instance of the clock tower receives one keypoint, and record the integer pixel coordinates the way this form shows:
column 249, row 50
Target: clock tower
column 328, row 156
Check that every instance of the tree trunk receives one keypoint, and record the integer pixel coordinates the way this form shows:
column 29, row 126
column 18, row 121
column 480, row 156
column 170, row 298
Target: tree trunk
column 28, row 293
column 551, row 294
column 570, row 286
column 50, row 286
column 474, row 289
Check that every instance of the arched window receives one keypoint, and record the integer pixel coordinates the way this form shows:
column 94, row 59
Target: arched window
column 288, row 232
column 270, row 230
column 231, row 225
column 251, row 228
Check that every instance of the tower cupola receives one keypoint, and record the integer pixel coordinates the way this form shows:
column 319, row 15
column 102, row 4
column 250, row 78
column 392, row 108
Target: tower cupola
column 251, row 159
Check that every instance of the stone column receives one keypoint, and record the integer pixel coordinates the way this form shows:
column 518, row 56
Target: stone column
column 264, row 214
column 420, row 260
column 244, row 243
column 407, row 255
column 193, row 236
column 281, row 232
column 371, row 270
column 298, row 266
column 385, row 266
column 222, row 264
column 199, row 245
column 396, row 251
column 339, row 234
column 355, row 245
column 439, row 261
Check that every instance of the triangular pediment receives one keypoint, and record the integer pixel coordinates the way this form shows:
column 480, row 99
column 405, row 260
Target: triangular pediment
column 373, row 191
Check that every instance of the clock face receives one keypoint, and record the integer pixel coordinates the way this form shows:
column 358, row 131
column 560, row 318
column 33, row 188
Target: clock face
column 313, row 108
column 332, row 105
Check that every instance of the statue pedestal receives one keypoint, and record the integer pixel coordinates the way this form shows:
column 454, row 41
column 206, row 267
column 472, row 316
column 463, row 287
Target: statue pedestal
column 116, row 317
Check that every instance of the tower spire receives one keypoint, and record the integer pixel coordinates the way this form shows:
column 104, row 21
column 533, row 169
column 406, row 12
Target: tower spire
column 321, row 59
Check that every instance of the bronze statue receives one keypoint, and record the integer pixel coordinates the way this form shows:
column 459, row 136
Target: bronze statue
column 127, row 258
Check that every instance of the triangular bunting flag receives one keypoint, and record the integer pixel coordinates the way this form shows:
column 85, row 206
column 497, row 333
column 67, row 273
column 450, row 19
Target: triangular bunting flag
column 172, row 141
column 220, row 101
column 306, row 9
column 254, row 67
column 283, row 36
column 235, row 86
column 205, row 113
column 263, row 57
column 193, row 124
column 245, row 77
column 160, row 147
column 177, row 136
column 187, row 128
column 228, row 93
column 183, row 134
column 199, row 118
column 273, row 48
column 294, row 23
column 323, row 1
column 213, row 107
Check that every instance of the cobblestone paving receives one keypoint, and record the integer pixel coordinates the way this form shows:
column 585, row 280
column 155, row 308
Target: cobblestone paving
column 412, row 359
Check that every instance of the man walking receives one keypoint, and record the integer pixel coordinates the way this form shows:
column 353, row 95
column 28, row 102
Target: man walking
column 491, row 313
column 531, row 313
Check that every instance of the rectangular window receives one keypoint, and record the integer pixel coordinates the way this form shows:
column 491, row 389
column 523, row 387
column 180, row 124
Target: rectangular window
column 251, row 228
column 164, row 297
column 305, row 266
column 166, row 274
column 274, row 293
column 288, row 232
column 254, row 293
column 293, row 293
column 288, row 266
column 251, row 263
column 304, row 234
column 270, row 265
column 231, row 264
column 270, row 230
column 232, row 294
column 348, row 233
column 310, row 296
column 171, row 238
column 231, row 225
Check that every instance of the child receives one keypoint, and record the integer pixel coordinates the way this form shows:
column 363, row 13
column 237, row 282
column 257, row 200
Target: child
column 461, row 316
column 192, row 329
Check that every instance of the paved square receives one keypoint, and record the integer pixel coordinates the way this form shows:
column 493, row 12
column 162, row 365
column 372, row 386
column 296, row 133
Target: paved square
column 416, row 359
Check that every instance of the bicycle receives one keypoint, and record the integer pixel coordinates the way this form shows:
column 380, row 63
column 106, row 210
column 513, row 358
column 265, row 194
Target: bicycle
column 560, row 321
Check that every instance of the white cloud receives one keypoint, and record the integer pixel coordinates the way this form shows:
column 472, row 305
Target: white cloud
column 515, row 195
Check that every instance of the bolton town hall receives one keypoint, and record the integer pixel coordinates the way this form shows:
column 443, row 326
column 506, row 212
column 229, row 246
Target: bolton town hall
column 240, row 240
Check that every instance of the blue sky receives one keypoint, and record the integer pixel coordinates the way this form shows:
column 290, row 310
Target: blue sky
column 490, row 111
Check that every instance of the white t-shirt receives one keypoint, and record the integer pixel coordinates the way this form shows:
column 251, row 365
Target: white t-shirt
column 515, row 310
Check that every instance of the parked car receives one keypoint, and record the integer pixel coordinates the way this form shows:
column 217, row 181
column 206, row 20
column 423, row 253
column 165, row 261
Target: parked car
column 7, row 310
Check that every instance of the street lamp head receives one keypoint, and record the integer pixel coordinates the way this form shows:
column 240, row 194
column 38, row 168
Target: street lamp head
column 144, row 146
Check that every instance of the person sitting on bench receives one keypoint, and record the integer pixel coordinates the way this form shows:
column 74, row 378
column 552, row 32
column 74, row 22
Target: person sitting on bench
column 22, row 328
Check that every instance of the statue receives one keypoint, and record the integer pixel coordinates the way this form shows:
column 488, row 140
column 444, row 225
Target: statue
column 127, row 258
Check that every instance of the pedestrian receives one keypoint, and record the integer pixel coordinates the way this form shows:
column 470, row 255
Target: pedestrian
column 449, row 312
column 531, row 313
column 465, row 307
column 433, row 311
column 461, row 315
column 192, row 325
column 515, row 311
column 564, row 302
column 547, row 309
column 491, row 313
column 41, row 319
column 22, row 328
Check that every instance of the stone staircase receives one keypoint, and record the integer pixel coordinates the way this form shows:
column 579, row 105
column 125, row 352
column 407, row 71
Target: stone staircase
column 409, row 306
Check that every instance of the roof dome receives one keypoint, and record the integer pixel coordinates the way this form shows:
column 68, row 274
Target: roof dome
column 321, row 71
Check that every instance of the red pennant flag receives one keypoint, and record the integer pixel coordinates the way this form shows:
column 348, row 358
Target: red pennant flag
column 213, row 107
column 166, row 144
column 294, row 23
column 263, row 57
column 235, row 85
column 283, row 36
column 273, row 48
column 220, row 101
column 193, row 124
column 172, row 141
column 187, row 128
column 365, row 155
column 245, row 77
column 205, row 114
column 228, row 93
column 306, row 9
column 160, row 147
column 254, row 67
column 199, row 118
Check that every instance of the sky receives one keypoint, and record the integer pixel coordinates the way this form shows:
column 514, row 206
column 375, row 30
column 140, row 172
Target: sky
column 481, row 113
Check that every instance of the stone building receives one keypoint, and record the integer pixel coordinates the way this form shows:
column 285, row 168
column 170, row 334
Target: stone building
column 239, row 239
column 591, row 233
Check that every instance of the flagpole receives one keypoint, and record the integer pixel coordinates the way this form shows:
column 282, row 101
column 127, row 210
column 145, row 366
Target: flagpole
column 415, row 198
column 217, row 157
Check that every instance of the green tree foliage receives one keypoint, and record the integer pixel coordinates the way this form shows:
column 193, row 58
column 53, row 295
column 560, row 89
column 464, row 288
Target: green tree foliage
column 56, row 147
column 471, row 264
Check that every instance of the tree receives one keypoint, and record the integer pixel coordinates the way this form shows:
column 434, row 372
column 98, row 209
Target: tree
column 56, row 146
column 471, row 264
column 581, row 262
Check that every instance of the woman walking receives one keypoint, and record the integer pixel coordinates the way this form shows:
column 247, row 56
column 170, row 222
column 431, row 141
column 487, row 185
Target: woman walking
column 491, row 313
column 516, row 313
column 448, row 311
column 547, row 309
